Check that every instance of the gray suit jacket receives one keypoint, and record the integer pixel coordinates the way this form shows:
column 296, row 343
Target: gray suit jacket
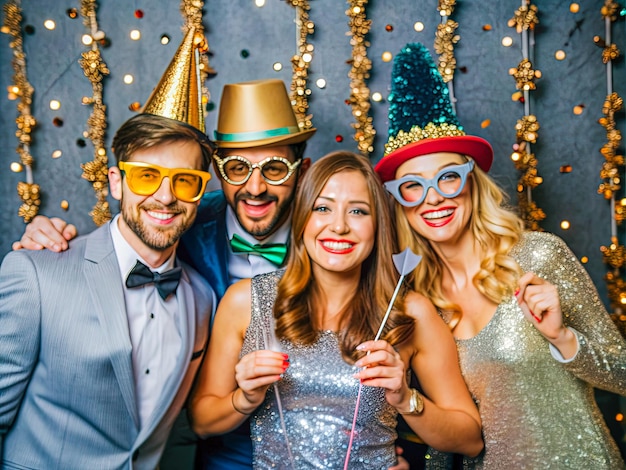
column 67, row 393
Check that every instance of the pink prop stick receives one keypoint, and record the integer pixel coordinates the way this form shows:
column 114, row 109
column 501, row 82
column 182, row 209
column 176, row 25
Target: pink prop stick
column 356, row 412
column 404, row 262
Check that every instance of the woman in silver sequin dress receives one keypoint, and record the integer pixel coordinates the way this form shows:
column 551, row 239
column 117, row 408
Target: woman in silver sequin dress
column 294, row 348
column 533, row 336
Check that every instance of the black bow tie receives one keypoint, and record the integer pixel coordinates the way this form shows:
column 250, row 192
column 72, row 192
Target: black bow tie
column 166, row 283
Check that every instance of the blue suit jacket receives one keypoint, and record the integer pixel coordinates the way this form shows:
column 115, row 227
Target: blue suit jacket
column 205, row 245
column 67, row 392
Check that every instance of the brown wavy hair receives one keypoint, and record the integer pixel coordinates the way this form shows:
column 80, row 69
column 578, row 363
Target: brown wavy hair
column 144, row 131
column 495, row 227
column 298, row 293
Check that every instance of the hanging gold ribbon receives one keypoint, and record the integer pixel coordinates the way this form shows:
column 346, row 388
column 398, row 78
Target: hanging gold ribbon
column 94, row 68
column 614, row 255
column 22, row 91
column 361, row 65
column 527, row 128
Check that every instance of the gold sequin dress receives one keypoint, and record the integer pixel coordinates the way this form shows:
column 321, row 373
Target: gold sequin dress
column 318, row 395
column 537, row 412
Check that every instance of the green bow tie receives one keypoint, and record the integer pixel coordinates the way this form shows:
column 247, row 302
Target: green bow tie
column 273, row 252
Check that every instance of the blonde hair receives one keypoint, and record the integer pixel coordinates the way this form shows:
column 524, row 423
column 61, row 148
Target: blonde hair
column 494, row 226
column 298, row 294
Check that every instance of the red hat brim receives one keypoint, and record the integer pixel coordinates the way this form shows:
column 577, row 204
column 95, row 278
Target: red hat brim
column 479, row 149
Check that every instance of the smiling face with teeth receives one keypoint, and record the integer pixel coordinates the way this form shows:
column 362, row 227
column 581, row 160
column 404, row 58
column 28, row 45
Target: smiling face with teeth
column 262, row 208
column 154, row 224
column 437, row 218
column 340, row 232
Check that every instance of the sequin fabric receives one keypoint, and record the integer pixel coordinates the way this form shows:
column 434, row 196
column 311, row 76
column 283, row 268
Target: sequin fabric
column 318, row 396
column 539, row 413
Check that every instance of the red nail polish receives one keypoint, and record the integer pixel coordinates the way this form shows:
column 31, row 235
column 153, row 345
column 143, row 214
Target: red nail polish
column 516, row 292
column 535, row 317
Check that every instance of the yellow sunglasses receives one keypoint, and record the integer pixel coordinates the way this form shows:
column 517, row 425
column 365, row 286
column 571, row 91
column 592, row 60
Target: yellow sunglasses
column 144, row 179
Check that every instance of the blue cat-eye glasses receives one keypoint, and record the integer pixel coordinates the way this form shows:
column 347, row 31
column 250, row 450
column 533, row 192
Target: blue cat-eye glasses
column 411, row 190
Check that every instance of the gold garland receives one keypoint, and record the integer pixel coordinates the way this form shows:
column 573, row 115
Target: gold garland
column 359, row 73
column 445, row 39
column 300, row 64
column 613, row 255
column 525, row 76
column 526, row 129
column 95, row 70
column 28, row 191
column 525, row 18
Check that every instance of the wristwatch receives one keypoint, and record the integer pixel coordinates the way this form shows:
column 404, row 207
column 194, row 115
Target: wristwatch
column 416, row 403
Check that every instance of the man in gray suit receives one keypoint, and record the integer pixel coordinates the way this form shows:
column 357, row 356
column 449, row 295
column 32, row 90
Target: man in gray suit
column 99, row 345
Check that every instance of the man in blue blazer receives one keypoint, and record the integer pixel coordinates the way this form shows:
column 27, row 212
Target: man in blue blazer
column 99, row 345
column 259, row 160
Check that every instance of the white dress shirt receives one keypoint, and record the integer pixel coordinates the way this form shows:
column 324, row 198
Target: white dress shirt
column 154, row 327
column 244, row 265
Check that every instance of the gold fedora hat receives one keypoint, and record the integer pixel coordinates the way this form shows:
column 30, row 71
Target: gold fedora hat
column 257, row 113
column 178, row 95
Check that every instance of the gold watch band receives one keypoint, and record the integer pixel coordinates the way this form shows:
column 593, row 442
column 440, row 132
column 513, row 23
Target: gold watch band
column 416, row 403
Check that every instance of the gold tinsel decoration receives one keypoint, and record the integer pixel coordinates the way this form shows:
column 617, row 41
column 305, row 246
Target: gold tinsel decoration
column 28, row 191
column 526, row 128
column 610, row 10
column 610, row 52
column 613, row 255
column 445, row 39
column 527, row 164
column 531, row 214
column 524, row 75
column 360, row 71
column 525, row 18
column 95, row 70
column 300, row 64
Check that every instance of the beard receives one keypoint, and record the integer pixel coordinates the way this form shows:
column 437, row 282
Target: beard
column 155, row 237
column 261, row 229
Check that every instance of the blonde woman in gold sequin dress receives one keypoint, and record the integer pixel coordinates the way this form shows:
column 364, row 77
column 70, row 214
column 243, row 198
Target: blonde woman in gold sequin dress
column 533, row 336
column 293, row 348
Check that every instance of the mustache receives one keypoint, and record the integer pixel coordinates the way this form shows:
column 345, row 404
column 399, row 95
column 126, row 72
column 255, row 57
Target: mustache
column 174, row 207
column 261, row 197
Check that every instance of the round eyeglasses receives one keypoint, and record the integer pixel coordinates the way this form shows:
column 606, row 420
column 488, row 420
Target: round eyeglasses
column 411, row 190
column 236, row 169
column 144, row 179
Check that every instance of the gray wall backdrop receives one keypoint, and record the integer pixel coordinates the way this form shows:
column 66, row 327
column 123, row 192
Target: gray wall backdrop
column 482, row 84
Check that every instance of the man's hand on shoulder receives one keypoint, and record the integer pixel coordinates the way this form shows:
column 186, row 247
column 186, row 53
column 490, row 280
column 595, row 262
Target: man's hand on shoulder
column 43, row 232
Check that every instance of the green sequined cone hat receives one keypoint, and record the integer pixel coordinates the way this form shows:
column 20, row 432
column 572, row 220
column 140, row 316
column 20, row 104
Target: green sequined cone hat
column 421, row 118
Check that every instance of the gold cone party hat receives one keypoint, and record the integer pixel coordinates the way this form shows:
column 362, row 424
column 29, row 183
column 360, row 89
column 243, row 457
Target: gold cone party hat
column 178, row 95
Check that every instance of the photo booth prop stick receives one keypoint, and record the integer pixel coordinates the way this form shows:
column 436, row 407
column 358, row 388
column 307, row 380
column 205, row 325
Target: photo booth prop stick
column 272, row 344
column 404, row 262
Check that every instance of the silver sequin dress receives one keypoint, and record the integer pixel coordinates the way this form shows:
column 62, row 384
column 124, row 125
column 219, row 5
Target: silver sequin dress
column 318, row 395
column 537, row 412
